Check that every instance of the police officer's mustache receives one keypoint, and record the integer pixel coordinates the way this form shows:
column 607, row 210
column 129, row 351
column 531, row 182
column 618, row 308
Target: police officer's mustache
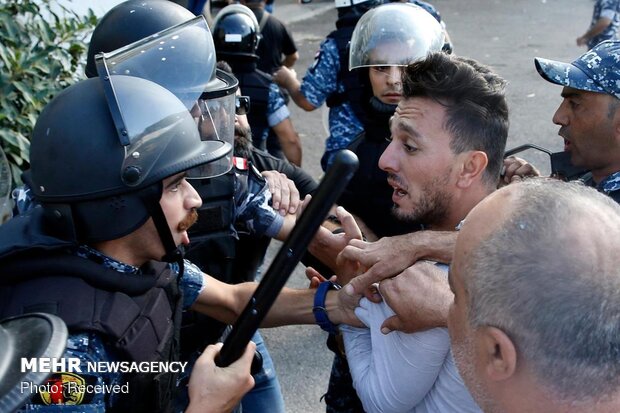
column 188, row 221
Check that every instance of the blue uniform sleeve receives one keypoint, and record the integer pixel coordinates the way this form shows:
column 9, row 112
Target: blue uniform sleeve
column 277, row 110
column 254, row 214
column 321, row 79
column 192, row 282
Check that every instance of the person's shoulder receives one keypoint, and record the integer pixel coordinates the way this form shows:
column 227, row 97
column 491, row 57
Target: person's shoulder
column 329, row 44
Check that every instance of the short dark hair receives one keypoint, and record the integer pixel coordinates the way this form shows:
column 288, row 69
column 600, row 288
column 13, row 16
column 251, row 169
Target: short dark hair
column 475, row 102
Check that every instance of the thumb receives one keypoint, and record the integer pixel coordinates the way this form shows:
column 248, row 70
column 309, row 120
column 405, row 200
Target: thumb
column 390, row 324
column 248, row 354
column 312, row 273
column 349, row 225
column 213, row 349
column 358, row 284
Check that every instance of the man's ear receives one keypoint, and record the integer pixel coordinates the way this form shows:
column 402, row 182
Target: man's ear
column 473, row 164
column 497, row 352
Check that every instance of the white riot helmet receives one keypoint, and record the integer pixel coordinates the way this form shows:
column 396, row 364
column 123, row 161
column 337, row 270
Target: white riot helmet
column 394, row 34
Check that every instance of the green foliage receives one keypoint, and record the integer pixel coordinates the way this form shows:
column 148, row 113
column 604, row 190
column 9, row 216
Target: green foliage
column 42, row 51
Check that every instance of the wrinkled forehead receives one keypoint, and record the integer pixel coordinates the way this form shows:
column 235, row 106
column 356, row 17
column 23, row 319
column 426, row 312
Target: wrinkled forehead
column 408, row 111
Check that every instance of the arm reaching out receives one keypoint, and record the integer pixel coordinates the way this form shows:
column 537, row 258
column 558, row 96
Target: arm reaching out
column 391, row 255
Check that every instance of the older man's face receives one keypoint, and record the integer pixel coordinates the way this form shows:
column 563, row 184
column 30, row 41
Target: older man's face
column 461, row 332
column 466, row 346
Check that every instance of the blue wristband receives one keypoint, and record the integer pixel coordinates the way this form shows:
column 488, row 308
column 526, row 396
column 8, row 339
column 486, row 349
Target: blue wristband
column 320, row 313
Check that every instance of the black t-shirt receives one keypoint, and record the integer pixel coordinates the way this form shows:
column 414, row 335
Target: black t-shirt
column 276, row 42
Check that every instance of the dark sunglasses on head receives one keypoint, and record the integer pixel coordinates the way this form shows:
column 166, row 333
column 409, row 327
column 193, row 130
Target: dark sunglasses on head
column 242, row 105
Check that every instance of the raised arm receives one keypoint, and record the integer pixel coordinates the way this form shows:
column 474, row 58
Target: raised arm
column 391, row 255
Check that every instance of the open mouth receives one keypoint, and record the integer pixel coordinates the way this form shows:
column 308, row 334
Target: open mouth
column 399, row 192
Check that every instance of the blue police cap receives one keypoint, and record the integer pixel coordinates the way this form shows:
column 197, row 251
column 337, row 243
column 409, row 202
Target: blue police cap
column 598, row 70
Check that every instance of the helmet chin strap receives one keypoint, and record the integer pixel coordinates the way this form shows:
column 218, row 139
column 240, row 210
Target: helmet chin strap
column 173, row 253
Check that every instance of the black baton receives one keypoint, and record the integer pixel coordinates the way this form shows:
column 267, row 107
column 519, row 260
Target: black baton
column 332, row 185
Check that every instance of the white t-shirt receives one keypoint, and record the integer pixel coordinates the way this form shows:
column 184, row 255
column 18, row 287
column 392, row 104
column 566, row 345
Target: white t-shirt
column 402, row 372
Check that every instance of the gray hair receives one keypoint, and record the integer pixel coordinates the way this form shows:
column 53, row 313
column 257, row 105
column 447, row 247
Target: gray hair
column 549, row 277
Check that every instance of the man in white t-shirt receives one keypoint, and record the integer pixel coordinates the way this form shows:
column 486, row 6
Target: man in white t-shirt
column 448, row 138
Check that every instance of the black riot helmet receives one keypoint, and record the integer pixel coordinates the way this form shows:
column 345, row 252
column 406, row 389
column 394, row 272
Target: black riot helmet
column 100, row 150
column 236, row 32
column 97, row 183
column 131, row 21
column 176, row 52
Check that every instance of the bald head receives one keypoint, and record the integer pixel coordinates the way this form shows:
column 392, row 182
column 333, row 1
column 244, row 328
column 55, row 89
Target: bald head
column 539, row 260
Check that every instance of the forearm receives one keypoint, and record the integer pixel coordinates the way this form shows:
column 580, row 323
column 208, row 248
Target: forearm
column 292, row 151
column 597, row 28
column 295, row 307
column 221, row 301
column 323, row 249
column 226, row 302
column 433, row 245
column 290, row 59
column 294, row 90
column 289, row 141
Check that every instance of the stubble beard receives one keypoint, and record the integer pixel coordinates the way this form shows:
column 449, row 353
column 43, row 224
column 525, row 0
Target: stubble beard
column 463, row 352
column 433, row 206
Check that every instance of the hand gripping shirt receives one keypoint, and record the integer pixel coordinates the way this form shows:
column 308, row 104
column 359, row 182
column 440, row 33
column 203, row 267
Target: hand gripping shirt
column 401, row 372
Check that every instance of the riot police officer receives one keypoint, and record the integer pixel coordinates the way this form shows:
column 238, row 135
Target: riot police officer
column 113, row 203
column 330, row 81
column 236, row 35
column 228, row 242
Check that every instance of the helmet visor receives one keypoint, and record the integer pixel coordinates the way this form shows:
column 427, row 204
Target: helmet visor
column 163, row 134
column 394, row 35
column 182, row 60
column 214, row 113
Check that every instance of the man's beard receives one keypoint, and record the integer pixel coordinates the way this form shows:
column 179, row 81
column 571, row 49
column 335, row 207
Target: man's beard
column 243, row 142
column 433, row 206
column 188, row 221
